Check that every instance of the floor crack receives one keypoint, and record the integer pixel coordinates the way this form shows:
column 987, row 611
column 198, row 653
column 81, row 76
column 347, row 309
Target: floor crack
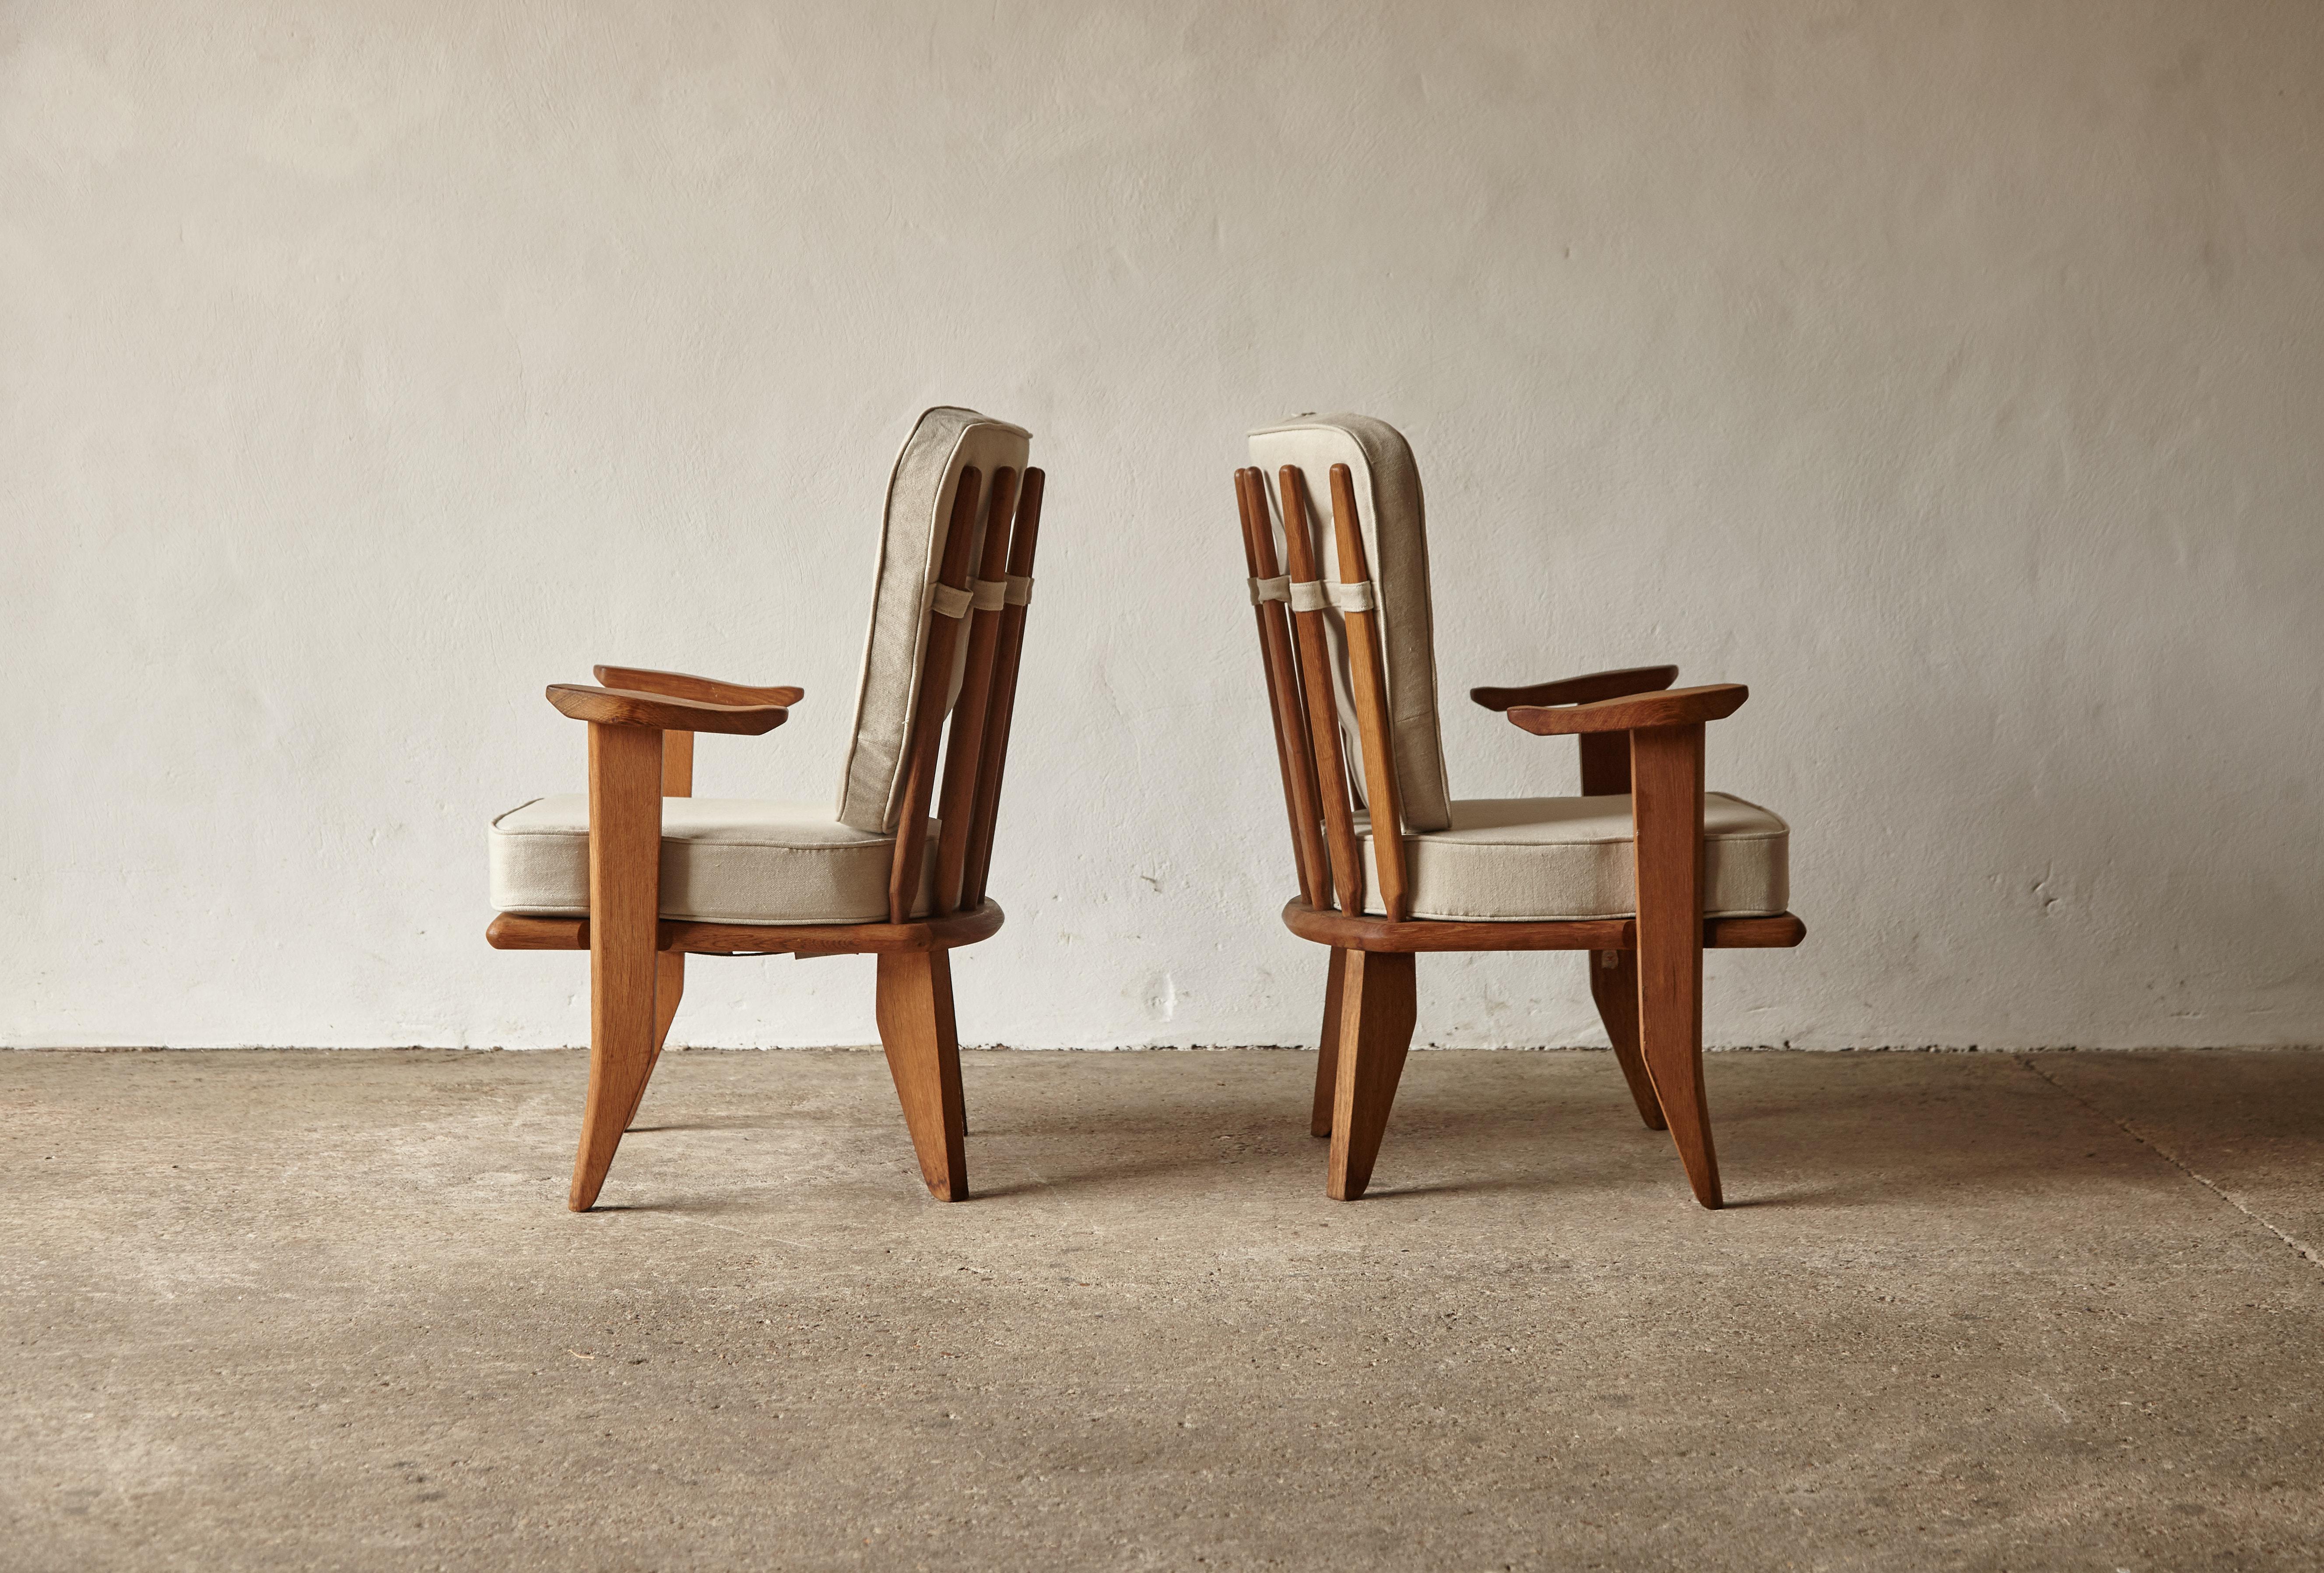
column 2180, row 1164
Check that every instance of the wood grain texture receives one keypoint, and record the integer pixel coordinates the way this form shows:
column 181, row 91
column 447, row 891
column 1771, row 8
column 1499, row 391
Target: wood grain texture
column 1377, row 1012
column 669, row 966
column 1579, row 690
column 993, row 759
column 1614, row 986
column 1676, row 708
column 1294, row 759
column 1368, row 685
column 956, row 800
column 685, row 685
column 1327, row 1047
column 915, row 1027
column 623, row 708
column 625, row 764
column 1377, row 934
column 1667, row 801
column 518, row 931
column 1322, row 707
column 928, row 710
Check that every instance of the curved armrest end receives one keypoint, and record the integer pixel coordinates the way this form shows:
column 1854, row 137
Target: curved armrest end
column 1672, row 707
column 685, row 685
column 1579, row 690
column 663, row 712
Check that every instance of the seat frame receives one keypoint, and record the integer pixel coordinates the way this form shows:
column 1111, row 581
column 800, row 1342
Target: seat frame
column 1637, row 736
column 642, row 726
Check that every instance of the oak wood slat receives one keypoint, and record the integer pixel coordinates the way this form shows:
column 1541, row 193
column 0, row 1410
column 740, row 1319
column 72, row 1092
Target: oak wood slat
column 993, row 758
column 1368, row 681
column 956, row 804
column 928, row 712
column 1322, row 708
column 1294, row 760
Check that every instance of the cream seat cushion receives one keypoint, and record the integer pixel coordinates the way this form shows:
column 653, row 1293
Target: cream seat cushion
column 724, row 860
column 1510, row 859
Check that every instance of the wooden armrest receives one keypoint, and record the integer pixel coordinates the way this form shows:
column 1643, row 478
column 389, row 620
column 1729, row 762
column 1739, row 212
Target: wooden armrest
column 1676, row 708
column 1568, row 690
column 681, row 685
column 629, row 707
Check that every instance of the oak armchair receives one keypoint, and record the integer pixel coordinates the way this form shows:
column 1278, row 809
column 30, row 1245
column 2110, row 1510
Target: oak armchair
column 1642, row 870
column 642, row 874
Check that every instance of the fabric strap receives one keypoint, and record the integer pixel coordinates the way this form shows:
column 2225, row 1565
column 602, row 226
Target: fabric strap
column 1020, row 590
column 1278, row 589
column 1318, row 595
column 946, row 602
column 990, row 595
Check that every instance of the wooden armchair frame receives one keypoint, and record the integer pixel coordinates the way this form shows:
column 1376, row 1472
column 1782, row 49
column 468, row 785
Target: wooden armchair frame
column 642, row 726
column 1637, row 736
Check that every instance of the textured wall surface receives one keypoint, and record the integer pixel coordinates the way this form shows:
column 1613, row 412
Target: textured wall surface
column 1952, row 373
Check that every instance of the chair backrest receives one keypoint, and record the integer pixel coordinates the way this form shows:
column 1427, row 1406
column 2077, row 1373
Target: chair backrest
column 921, row 492
column 961, row 497
column 1392, row 520
column 1349, row 655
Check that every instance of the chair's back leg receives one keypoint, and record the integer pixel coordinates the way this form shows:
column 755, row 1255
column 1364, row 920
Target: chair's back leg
column 1377, row 1012
column 915, row 1027
column 1666, row 812
column 1327, row 1057
column 994, row 757
column 625, row 895
column 1614, row 984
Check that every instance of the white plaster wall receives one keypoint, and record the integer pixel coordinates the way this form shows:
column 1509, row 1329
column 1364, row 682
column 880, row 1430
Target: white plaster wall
column 1952, row 373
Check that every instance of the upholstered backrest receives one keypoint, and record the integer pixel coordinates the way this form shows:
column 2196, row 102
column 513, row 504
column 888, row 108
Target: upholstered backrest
column 1395, row 530
column 920, row 494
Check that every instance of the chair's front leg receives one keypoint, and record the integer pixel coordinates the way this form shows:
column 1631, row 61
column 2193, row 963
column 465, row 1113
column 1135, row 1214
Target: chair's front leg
column 625, row 776
column 1666, row 810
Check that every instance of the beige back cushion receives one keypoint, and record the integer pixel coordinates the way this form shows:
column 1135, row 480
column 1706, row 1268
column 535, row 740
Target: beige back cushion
column 1395, row 530
column 911, row 552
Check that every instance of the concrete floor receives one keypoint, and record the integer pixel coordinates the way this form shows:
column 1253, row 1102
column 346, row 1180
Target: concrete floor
column 324, row 1310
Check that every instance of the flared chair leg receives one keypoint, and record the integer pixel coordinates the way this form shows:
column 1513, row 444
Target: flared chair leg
column 1327, row 1047
column 1666, row 781
column 669, row 987
column 1614, row 984
column 915, row 1027
column 624, row 894
column 1377, row 1012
